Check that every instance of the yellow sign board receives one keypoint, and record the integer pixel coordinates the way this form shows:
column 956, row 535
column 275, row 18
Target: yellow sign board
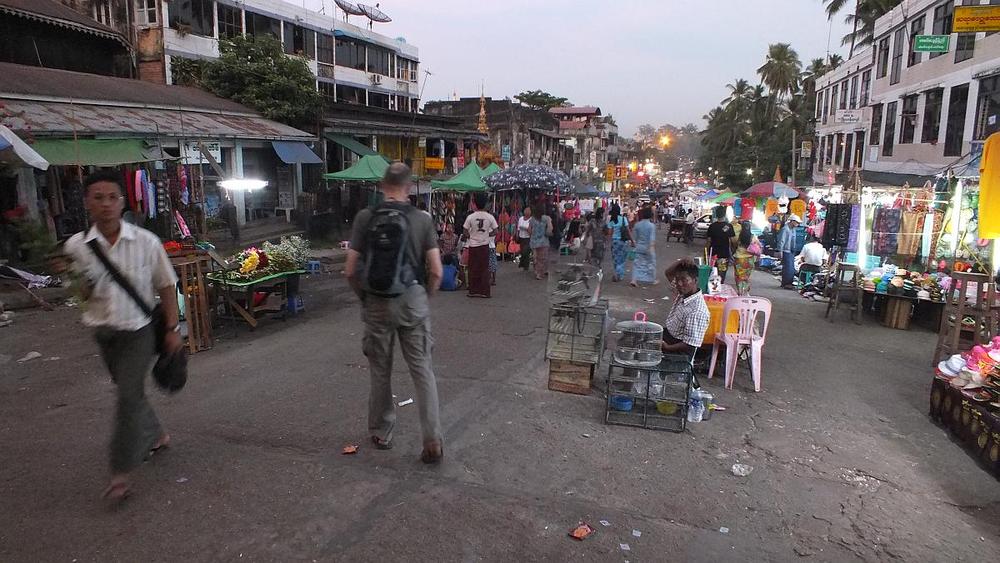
column 609, row 173
column 431, row 163
column 972, row 19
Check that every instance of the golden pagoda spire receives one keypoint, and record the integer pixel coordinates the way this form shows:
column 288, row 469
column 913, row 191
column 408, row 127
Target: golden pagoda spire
column 483, row 127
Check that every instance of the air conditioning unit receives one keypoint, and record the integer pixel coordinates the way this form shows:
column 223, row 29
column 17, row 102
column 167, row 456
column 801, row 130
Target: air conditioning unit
column 376, row 79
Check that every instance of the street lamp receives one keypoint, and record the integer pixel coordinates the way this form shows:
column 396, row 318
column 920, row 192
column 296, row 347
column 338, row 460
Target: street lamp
column 749, row 171
column 665, row 140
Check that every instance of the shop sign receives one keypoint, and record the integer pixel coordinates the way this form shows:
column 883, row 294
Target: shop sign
column 609, row 173
column 431, row 163
column 422, row 142
column 973, row 19
column 192, row 154
column 849, row 115
column 593, row 159
column 461, row 159
column 505, row 153
column 932, row 43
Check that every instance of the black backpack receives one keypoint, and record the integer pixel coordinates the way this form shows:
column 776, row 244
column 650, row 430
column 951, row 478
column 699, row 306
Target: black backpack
column 390, row 267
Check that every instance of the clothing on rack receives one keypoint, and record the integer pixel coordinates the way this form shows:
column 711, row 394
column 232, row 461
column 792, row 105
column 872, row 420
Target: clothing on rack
column 854, row 234
column 837, row 228
column 885, row 231
column 989, row 188
column 910, row 233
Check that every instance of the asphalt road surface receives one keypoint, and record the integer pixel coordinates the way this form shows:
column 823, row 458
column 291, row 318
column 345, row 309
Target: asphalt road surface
column 847, row 464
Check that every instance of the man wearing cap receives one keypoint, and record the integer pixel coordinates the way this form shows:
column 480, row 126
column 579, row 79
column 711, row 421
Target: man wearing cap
column 786, row 245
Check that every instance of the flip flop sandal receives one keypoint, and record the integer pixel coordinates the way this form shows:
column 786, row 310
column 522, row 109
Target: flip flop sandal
column 381, row 444
column 117, row 492
column 431, row 459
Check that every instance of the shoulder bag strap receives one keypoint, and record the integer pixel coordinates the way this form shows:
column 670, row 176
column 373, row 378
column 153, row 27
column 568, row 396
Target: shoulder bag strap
column 95, row 247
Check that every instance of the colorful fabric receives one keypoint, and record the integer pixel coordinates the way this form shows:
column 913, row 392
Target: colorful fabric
column 479, row 270
column 541, row 260
column 619, row 252
column 910, row 234
column 743, row 264
column 885, row 231
column 798, row 207
column 644, row 267
column 989, row 188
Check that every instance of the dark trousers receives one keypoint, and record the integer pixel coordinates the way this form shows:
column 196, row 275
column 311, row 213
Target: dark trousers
column 807, row 268
column 525, row 253
column 129, row 357
column 787, row 268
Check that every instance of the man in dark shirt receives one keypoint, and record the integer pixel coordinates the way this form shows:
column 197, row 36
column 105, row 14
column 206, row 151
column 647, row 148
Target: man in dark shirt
column 720, row 241
column 406, row 317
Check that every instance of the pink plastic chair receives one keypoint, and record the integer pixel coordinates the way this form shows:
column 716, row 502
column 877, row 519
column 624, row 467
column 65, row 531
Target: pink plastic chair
column 748, row 308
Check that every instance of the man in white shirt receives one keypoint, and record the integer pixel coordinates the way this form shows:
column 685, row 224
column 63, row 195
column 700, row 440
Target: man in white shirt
column 124, row 332
column 479, row 227
column 690, row 219
column 812, row 257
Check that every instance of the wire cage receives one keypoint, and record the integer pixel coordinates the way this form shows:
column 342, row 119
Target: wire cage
column 577, row 284
column 654, row 398
column 576, row 333
column 640, row 342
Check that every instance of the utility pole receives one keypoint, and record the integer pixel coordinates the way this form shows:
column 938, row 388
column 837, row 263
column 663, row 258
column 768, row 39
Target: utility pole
column 793, row 157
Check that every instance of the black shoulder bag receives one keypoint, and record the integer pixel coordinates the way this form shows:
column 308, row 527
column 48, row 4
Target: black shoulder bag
column 170, row 371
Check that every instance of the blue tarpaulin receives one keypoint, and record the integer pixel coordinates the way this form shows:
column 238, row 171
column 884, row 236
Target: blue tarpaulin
column 295, row 152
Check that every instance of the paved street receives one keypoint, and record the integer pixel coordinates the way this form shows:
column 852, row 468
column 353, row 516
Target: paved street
column 847, row 464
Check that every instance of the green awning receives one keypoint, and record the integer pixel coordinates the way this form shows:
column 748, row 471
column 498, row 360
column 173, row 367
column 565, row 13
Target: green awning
column 370, row 168
column 468, row 180
column 493, row 168
column 95, row 152
column 351, row 145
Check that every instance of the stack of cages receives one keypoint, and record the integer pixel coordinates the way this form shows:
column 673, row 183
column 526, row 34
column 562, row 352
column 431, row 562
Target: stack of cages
column 575, row 284
column 651, row 397
column 576, row 332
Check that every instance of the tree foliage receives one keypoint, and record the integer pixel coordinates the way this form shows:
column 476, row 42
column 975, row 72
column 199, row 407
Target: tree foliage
column 257, row 72
column 862, row 19
column 538, row 99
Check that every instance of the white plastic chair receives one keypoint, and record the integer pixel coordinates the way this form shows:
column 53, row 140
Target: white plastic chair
column 748, row 308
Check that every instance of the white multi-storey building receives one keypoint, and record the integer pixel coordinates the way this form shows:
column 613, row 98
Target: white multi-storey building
column 351, row 64
column 930, row 111
column 842, row 117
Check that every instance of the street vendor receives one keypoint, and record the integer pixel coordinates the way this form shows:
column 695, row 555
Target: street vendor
column 688, row 318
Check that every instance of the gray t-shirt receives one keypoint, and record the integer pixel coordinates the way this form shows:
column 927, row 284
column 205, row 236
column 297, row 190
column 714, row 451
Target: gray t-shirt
column 423, row 236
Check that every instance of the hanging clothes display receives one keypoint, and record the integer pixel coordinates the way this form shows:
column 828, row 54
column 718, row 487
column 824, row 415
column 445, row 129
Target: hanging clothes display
column 771, row 208
column 911, row 231
column 989, row 188
column 837, row 227
column 885, row 231
column 797, row 207
column 936, row 233
column 185, row 193
column 855, row 230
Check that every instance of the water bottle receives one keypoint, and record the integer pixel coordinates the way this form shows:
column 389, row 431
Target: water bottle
column 706, row 400
column 696, row 409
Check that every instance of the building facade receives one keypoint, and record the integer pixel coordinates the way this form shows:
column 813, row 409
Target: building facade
column 842, row 118
column 593, row 137
column 930, row 111
column 517, row 134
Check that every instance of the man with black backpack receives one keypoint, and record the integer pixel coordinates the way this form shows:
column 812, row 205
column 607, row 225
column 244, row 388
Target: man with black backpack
column 394, row 266
column 121, row 268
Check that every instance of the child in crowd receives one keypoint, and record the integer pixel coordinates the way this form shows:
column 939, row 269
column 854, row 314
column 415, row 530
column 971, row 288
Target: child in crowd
column 450, row 280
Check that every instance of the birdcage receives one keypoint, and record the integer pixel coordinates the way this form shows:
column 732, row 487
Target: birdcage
column 640, row 343
column 652, row 397
column 576, row 333
column 577, row 284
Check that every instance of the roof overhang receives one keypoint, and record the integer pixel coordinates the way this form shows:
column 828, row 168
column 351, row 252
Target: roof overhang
column 365, row 127
column 68, row 24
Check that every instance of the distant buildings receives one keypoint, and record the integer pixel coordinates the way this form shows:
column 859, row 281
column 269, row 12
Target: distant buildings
column 594, row 138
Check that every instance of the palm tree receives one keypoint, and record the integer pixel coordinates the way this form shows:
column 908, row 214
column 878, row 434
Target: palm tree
column 781, row 69
column 834, row 62
column 862, row 20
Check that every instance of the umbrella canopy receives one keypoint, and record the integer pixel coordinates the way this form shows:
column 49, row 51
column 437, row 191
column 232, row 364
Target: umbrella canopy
column 370, row 168
column 772, row 189
column 687, row 193
column 708, row 196
column 468, row 180
column 16, row 151
column 493, row 168
column 725, row 198
column 529, row 176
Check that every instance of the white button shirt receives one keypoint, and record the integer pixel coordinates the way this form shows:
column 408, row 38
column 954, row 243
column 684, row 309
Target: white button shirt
column 139, row 256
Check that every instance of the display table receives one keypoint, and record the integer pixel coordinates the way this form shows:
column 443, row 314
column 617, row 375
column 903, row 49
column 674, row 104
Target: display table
column 898, row 309
column 975, row 424
column 279, row 282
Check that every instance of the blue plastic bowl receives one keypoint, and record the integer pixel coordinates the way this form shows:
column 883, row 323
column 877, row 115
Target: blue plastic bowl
column 621, row 403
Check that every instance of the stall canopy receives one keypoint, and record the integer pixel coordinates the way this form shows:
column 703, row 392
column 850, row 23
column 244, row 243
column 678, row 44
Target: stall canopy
column 468, row 180
column 350, row 144
column 772, row 189
column 370, row 168
column 493, row 168
column 96, row 152
column 15, row 151
column 293, row 152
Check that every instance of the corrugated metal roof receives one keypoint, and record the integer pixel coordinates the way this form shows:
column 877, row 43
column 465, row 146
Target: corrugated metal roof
column 32, row 81
column 58, row 119
column 576, row 110
column 53, row 12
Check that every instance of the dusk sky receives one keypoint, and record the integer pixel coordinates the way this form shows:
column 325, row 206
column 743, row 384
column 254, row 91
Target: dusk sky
column 644, row 61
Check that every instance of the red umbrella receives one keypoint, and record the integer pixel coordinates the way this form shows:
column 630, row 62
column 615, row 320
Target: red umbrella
column 772, row 189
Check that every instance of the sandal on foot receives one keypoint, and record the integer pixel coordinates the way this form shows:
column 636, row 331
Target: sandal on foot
column 432, row 458
column 116, row 492
column 381, row 444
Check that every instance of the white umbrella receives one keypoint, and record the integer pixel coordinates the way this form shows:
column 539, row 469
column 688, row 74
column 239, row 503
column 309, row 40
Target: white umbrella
column 16, row 151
